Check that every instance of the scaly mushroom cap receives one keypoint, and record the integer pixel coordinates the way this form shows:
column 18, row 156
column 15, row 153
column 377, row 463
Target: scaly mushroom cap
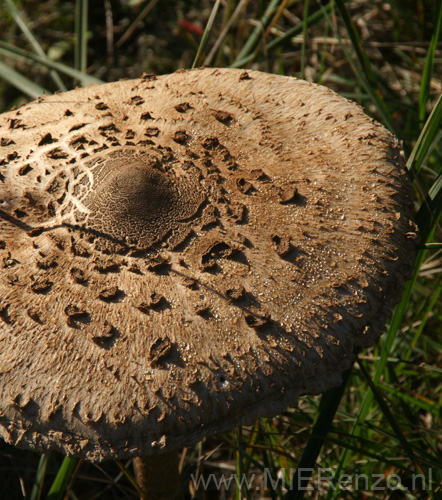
column 183, row 254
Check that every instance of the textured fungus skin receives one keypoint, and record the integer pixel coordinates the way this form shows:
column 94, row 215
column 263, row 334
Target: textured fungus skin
column 183, row 254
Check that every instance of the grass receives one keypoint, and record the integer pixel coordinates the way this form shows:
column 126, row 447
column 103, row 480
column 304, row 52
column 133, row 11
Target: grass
column 384, row 422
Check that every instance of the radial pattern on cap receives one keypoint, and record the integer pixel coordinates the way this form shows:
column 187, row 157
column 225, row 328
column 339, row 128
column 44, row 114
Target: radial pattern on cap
column 186, row 253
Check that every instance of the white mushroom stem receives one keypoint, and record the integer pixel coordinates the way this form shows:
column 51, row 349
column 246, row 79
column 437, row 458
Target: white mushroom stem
column 158, row 476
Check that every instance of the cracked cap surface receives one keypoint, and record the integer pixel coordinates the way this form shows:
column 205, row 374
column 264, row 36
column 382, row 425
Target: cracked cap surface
column 183, row 254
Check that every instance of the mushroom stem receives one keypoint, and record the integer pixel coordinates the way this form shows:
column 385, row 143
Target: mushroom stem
column 158, row 476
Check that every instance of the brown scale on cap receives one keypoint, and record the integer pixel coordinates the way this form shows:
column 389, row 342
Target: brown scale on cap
column 184, row 254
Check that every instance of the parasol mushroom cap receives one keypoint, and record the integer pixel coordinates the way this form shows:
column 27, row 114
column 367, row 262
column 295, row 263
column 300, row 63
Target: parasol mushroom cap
column 183, row 254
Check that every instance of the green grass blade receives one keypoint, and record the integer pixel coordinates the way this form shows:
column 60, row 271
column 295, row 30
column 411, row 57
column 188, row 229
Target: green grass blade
column 33, row 41
column 304, row 36
column 220, row 41
column 281, row 40
column 20, row 82
column 39, row 477
column 435, row 189
column 389, row 417
column 269, row 464
column 15, row 13
column 429, row 137
column 272, row 463
column 328, row 407
column 357, row 44
column 19, row 54
column 297, row 30
column 133, row 26
column 377, row 450
column 429, row 63
column 416, row 400
column 431, row 301
column 206, row 35
column 242, row 491
column 81, row 12
column 130, row 478
column 430, row 212
column 254, row 39
column 62, row 479
column 367, row 78
column 431, row 209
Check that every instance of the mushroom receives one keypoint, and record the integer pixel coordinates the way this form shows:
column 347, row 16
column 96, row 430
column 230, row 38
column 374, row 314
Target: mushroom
column 184, row 254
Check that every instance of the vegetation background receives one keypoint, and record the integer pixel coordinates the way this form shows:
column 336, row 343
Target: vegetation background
column 384, row 54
